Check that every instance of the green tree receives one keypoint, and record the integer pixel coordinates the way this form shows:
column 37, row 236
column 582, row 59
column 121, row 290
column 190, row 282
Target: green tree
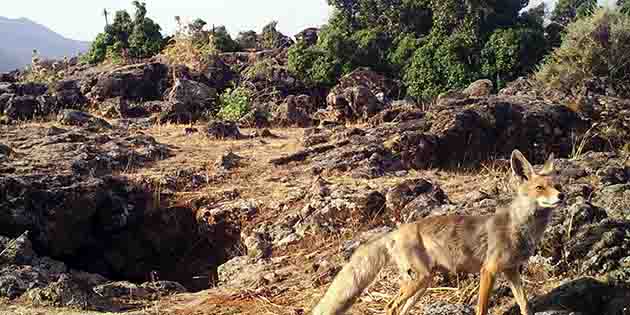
column 403, row 50
column 140, row 37
column 222, row 41
column 271, row 38
column 567, row 11
column 624, row 6
column 98, row 50
column 247, row 40
column 430, row 45
column 511, row 52
column 198, row 34
column 313, row 65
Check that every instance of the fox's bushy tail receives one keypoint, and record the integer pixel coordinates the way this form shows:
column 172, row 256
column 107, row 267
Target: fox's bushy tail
column 356, row 275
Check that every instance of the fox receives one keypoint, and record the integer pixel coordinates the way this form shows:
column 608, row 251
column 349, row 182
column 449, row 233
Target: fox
column 488, row 245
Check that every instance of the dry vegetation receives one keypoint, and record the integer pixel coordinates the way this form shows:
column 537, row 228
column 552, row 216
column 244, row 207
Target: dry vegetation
column 302, row 282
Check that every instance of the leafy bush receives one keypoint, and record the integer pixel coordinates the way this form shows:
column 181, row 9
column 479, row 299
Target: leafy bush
column 247, row 40
column 567, row 11
column 234, row 103
column 137, row 38
column 440, row 65
column 313, row 65
column 593, row 47
column 403, row 50
column 431, row 46
column 98, row 50
column 511, row 52
column 261, row 69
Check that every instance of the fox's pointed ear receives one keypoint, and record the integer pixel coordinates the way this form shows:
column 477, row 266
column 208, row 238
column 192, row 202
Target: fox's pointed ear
column 521, row 168
column 548, row 167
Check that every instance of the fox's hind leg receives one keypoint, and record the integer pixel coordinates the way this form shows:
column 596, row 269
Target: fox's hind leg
column 414, row 266
column 414, row 299
column 410, row 291
column 514, row 278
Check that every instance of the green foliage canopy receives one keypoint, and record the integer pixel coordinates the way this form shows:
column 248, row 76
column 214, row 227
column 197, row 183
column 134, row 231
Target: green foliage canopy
column 139, row 37
column 431, row 45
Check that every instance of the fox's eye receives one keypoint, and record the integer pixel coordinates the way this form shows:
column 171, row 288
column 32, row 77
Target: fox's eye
column 540, row 188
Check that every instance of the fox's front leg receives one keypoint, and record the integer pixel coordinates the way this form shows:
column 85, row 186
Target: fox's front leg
column 514, row 278
column 487, row 276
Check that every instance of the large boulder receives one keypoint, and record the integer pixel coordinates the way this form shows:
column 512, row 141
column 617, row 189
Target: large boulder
column 294, row 111
column 68, row 94
column 15, row 280
column 63, row 292
column 217, row 73
column 30, row 89
column 457, row 132
column 10, row 77
column 21, row 107
column 4, row 99
column 378, row 84
column 470, row 129
column 479, row 88
column 415, row 199
column 359, row 95
column 223, row 130
column 186, row 100
column 138, row 82
column 353, row 103
column 72, row 117
column 585, row 296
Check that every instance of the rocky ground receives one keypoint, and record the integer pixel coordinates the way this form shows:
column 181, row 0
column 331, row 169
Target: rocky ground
column 118, row 195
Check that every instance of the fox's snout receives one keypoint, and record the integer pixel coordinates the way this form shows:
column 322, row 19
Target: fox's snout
column 550, row 198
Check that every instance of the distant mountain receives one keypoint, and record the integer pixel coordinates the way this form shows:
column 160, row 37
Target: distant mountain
column 18, row 38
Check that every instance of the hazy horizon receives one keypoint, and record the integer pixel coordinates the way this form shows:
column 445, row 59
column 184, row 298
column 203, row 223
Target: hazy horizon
column 83, row 20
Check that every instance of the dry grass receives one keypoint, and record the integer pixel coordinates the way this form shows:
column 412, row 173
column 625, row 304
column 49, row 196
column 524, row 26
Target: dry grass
column 256, row 179
column 259, row 180
column 302, row 283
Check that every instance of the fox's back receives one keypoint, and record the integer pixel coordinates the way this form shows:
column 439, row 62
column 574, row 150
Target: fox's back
column 455, row 242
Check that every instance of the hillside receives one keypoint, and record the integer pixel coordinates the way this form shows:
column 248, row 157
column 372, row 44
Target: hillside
column 243, row 178
column 26, row 35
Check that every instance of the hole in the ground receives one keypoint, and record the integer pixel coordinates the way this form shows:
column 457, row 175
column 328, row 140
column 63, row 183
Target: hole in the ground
column 166, row 244
column 109, row 226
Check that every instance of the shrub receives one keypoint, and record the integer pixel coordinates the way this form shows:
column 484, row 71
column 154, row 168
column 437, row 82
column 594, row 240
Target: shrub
column 234, row 103
column 593, row 47
column 313, row 65
column 431, row 46
column 137, row 38
column 189, row 46
column 403, row 50
column 567, row 11
column 221, row 40
column 247, row 40
column 261, row 69
column 511, row 52
column 440, row 65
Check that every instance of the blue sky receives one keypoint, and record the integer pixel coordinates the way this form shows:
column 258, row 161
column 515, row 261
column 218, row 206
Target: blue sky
column 82, row 19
